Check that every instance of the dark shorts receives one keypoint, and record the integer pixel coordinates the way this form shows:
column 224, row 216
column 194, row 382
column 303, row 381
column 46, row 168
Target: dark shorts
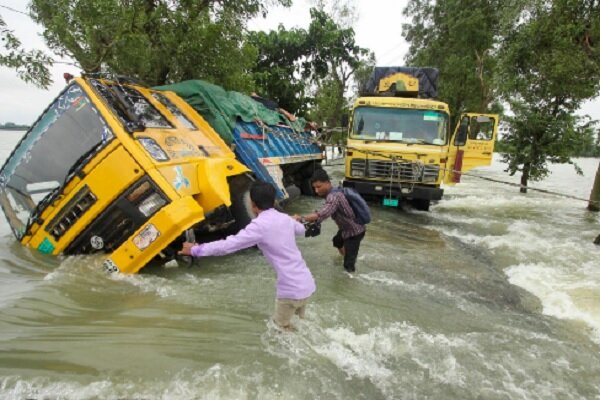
column 350, row 246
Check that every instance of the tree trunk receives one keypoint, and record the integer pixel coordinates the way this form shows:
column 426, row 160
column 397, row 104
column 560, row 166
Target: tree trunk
column 525, row 177
column 594, row 204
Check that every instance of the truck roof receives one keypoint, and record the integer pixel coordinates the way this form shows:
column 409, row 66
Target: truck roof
column 402, row 102
column 427, row 77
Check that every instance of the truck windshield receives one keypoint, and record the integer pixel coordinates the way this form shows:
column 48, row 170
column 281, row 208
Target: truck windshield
column 400, row 125
column 60, row 143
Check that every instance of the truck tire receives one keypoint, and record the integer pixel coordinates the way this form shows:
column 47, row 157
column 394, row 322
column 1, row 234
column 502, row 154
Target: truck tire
column 307, row 173
column 241, row 206
column 421, row 204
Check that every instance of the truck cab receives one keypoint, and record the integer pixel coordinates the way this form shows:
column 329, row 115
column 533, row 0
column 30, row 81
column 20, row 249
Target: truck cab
column 116, row 168
column 400, row 144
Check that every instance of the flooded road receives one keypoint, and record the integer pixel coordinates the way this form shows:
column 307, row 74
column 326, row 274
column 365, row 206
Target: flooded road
column 491, row 295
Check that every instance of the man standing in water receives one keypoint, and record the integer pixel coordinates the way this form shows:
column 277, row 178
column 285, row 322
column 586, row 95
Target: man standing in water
column 350, row 232
column 274, row 234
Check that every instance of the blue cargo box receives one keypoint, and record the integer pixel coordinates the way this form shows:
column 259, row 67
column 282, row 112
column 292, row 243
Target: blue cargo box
column 266, row 148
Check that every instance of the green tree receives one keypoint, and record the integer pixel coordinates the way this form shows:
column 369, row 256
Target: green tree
column 590, row 141
column 277, row 72
column 309, row 71
column 539, row 57
column 334, row 58
column 548, row 67
column 31, row 66
column 458, row 38
column 156, row 41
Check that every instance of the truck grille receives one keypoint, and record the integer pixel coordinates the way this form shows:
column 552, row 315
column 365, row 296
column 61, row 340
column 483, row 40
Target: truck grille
column 71, row 213
column 118, row 221
column 399, row 171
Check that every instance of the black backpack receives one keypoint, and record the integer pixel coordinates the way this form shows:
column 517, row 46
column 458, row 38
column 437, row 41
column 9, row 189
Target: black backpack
column 361, row 209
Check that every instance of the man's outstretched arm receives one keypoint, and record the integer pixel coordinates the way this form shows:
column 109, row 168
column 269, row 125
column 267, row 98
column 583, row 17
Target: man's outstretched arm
column 245, row 238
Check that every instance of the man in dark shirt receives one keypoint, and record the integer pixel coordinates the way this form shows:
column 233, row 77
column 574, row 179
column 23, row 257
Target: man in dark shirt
column 336, row 206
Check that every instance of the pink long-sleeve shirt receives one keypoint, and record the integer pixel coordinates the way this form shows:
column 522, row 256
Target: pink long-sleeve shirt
column 274, row 234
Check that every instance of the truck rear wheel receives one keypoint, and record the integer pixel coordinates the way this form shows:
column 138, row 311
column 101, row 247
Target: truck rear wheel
column 307, row 172
column 241, row 206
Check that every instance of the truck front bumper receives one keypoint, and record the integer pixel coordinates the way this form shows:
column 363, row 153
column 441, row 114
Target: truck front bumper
column 158, row 232
column 382, row 189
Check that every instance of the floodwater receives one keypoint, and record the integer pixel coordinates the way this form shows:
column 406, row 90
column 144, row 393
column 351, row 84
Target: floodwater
column 490, row 295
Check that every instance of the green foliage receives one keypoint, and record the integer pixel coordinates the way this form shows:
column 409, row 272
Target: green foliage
column 309, row 71
column 458, row 38
column 326, row 101
column 156, row 41
column 538, row 138
column 589, row 142
column 277, row 72
column 333, row 61
column 547, row 69
column 539, row 57
column 31, row 66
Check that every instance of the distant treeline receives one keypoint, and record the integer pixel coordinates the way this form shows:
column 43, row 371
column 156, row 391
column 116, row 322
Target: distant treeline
column 10, row 126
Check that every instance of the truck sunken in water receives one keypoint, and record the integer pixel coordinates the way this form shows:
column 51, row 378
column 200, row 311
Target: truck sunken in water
column 399, row 142
column 116, row 168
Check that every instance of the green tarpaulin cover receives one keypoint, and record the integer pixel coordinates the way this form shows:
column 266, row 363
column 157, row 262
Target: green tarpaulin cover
column 222, row 109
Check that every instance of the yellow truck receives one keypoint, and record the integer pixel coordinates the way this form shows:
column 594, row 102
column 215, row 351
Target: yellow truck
column 400, row 144
column 116, row 168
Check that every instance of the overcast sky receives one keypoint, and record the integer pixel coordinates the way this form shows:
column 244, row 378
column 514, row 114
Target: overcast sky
column 379, row 28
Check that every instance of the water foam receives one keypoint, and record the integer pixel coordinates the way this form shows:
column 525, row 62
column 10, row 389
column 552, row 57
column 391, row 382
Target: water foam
column 557, row 289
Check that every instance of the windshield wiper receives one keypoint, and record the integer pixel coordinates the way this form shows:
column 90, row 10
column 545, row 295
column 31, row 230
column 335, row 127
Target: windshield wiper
column 134, row 124
column 411, row 141
column 118, row 102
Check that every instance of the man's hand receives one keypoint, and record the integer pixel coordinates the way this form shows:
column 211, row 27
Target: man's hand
column 312, row 217
column 187, row 249
column 297, row 217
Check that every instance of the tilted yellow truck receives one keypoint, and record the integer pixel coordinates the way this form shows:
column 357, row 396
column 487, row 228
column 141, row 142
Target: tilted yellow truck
column 115, row 168
column 400, row 143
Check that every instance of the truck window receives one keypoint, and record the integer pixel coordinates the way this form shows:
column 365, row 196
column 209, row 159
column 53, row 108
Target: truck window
column 60, row 143
column 481, row 128
column 400, row 125
column 174, row 110
column 130, row 106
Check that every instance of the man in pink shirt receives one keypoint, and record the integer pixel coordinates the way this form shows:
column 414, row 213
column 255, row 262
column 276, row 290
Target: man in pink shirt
column 274, row 233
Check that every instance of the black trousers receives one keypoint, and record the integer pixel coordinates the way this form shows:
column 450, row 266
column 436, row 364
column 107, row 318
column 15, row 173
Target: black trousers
column 351, row 246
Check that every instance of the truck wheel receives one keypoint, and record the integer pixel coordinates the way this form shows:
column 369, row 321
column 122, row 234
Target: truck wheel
column 241, row 206
column 421, row 204
column 306, row 188
column 307, row 173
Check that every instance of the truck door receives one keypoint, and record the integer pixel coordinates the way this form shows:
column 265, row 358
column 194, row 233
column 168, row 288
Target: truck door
column 472, row 144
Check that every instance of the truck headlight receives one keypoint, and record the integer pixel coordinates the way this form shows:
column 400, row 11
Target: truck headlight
column 153, row 149
column 431, row 173
column 358, row 172
column 146, row 237
column 151, row 204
